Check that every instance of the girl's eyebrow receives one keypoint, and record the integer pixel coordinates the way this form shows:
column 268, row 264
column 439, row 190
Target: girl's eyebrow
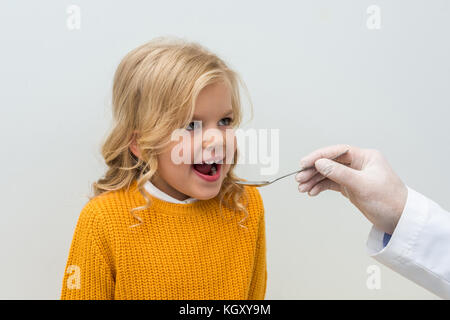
column 228, row 113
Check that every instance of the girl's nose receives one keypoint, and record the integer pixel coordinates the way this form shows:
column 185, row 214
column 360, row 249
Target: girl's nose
column 213, row 142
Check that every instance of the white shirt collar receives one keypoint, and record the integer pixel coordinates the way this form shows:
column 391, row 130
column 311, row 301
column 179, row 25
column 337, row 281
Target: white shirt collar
column 154, row 191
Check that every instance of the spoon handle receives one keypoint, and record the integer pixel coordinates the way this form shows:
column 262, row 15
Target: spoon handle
column 290, row 174
column 306, row 168
column 266, row 183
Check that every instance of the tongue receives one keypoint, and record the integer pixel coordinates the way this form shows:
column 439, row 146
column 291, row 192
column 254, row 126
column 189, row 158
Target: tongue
column 203, row 168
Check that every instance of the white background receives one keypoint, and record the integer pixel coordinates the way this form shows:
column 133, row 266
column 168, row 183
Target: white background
column 314, row 70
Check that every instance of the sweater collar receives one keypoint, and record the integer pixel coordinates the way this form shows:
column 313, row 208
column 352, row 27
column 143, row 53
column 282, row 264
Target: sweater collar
column 198, row 207
column 158, row 193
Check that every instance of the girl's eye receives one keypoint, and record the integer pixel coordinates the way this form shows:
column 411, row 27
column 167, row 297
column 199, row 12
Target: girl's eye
column 226, row 121
column 194, row 125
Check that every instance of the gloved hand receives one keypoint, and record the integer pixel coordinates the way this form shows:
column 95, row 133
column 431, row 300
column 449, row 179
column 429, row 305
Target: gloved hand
column 363, row 176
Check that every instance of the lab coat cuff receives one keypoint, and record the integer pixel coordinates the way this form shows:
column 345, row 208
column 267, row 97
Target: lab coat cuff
column 399, row 250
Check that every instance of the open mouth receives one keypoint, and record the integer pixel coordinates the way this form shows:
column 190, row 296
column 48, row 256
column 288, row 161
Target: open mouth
column 204, row 168
column 207, row 171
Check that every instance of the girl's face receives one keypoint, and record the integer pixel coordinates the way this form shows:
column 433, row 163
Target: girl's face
column 195, row 178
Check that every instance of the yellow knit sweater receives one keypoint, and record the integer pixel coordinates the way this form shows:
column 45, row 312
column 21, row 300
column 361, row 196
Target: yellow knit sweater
column 181, row 251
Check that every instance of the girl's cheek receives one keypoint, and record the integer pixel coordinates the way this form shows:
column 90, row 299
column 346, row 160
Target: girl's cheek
column 230, row 147
column 182, row 152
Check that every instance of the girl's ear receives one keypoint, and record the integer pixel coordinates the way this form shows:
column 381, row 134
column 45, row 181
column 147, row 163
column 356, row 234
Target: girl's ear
column 134, row 146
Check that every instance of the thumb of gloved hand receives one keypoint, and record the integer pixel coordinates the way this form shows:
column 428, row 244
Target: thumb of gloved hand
column 342, row 175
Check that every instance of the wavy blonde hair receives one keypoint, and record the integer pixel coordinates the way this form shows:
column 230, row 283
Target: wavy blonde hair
column 154, row 92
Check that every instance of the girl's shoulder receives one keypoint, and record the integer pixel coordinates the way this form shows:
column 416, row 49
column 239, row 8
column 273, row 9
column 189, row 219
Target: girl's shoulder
column 255, row 201
column 107, row 214
column 253, row 194
column 112, row 202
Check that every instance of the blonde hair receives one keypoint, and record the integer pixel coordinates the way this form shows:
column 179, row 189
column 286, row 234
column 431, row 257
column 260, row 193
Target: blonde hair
column 154, row 92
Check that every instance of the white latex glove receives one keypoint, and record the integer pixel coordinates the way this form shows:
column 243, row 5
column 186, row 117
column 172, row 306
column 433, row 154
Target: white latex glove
column 363, row 176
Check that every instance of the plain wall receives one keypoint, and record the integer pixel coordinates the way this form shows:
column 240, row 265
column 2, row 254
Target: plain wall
column 314, row 71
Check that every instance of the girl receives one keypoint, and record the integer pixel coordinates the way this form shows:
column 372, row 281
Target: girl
column 157, row 228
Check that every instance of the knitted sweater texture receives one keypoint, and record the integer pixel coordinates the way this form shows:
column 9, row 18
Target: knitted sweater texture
column 180, row 251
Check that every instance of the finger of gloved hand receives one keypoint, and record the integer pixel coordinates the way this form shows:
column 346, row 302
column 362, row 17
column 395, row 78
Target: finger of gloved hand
column 305, row 175
column 308, row 185
column 325, row 184
column 329, row 152
column 339, row 173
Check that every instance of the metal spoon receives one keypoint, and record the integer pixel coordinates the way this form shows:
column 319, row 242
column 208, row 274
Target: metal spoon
column 266, row 183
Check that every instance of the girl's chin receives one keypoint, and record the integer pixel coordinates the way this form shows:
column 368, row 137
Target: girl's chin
column 206, row 194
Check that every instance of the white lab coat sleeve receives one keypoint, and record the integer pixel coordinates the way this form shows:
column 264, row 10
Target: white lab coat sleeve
column 419, row 248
